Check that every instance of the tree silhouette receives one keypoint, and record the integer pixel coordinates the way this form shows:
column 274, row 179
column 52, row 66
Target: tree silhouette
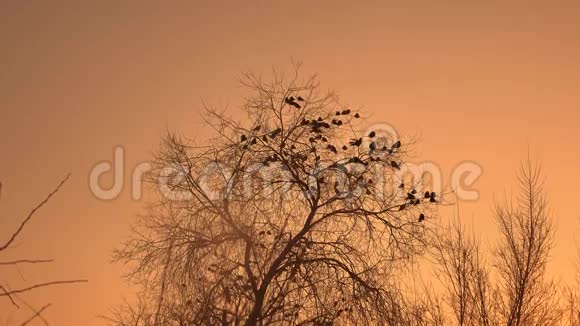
column 288, row 218
column 465, row 276
column 13, row 294
column 523, row 296
column 527, row 235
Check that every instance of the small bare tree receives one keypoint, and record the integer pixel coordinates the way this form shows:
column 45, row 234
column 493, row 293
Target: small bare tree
column 289, row 218
column 527, row 235
column 424, row 307
column 5, row 289
column 571, row 306
column 571, row 296
column 465, row 276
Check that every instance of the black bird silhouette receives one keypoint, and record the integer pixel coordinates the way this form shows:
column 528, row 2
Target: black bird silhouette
column 401, row 186
column 334, row 121
column 290, row 101
column 339, row 122
column 427, row 194
column 344, row 147
column 356, row 115
column 243, row 138
column 372, row 134
column 300, row 99
column 373, row 146
column 356, row 160
column 432, row 197
column 275, row 133
column 411, row 197
column 356, row 142
column 397, row 144
column 395, row 165
column 332, row 148
column 345, row 112
column 337, row 112
column 421, row 217
column 257, row 128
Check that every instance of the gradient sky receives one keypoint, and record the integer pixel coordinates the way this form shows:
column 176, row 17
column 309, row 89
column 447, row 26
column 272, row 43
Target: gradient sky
column 478, row 82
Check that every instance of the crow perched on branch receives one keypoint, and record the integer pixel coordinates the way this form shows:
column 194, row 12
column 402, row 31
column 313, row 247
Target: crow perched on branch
column 275, row 133
column 395, row 165
column 432, row 197
column 290, row 101
column 356, row 142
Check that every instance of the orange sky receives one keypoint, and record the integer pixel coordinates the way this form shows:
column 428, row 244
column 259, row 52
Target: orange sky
column 477, row 82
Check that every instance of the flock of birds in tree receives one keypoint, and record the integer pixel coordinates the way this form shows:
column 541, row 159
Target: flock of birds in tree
column 317, row 128
column 292, row 101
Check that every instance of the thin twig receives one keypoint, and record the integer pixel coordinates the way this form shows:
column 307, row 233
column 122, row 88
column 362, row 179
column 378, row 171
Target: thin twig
column 9, row 296
column 37, row 314
column 40, row 285
column 15, row 234
column 26, row 261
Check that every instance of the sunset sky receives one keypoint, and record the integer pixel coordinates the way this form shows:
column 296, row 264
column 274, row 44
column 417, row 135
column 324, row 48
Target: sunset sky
column 479, row 82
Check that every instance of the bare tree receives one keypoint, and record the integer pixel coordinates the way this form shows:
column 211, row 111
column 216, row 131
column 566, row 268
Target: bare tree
column 527, row 235
column 288, row 218
column 424, row 307
column 14, row 294
column 571, row 296
column 465, row 276
column 571, row 306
